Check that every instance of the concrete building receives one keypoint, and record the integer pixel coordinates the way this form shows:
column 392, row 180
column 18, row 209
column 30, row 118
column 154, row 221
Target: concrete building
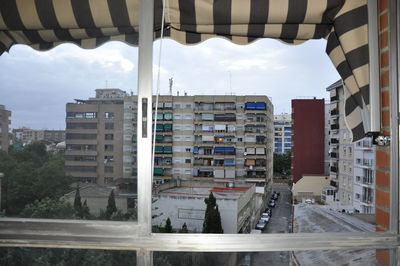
column 210, row 138
column 282, row 133
column 94, row 131
column 310, row 187
column 352, row 165
column 308, row 136
column 4, row 127
column 185, row 204
column 27, row 135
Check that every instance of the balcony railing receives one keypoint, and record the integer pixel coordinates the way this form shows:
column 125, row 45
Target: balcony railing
column 334, row 112
column 334, row 126
column 333, row 169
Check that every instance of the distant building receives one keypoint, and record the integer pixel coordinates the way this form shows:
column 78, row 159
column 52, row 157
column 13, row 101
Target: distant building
column 4, row 127
column 216, row 138
column 308, row 125
column 94, row 132
column 282, row 133
column 352, row 165
column 27, row 135
column 185, row 204
column 309, row 187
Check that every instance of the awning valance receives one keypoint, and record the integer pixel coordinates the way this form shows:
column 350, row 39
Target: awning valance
column 344, row 23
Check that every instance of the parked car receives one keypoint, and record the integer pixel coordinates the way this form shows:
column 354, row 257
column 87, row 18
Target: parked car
column 269, row 211
column 271, row 203
column 265, row 217
column 261, row 224
column 274, row 196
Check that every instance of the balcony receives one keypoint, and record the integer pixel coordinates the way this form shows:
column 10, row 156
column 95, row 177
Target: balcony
column 334, row 98
column 334, row 112
column 334, row 141
column 333, row 169
column 334, row 127
column 367, row 200
column 334, row 155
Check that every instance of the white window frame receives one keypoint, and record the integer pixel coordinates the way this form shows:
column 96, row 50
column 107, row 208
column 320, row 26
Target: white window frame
column 138, row 236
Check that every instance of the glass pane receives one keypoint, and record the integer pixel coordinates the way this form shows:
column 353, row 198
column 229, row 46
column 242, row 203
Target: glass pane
column 273, row 151
column 73, row 128
column 282, row 258
column 60, row 256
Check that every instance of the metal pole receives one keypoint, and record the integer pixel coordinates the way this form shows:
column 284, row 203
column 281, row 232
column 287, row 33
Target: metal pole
column 374, row 92
column 144, row 124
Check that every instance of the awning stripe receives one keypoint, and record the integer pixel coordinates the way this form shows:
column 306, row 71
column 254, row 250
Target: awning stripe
column 296, row 11
column 10, row 14
column 46, row 13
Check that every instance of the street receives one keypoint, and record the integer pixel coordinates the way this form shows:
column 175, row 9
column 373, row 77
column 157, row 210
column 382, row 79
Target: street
column 280, row 222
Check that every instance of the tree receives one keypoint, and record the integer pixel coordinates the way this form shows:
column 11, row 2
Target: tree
column 78, row 203
column 212, row 217
column 85, row 211
column 111, row 206
column 282, row 163
column 184, row 229
column 48, row 208
column 31, row 174
column 168, row 226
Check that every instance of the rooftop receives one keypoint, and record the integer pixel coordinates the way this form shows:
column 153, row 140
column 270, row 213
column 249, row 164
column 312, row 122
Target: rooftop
column 218, row 192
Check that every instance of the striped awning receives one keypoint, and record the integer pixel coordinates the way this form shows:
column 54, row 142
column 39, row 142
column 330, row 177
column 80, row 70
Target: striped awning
column 43, row 24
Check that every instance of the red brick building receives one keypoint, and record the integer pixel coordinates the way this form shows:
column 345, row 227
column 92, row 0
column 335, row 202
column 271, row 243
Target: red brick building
column 308, row 127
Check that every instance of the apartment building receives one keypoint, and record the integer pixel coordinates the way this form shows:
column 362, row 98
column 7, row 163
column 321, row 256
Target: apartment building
column 282, row 133
column 4, row 127
column 94, row 132
column 352, row 170
column 27, row 135
column 211, row 138
column 308, row 125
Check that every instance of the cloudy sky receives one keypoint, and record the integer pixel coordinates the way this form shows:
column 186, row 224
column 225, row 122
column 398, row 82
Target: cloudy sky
column 35, row 86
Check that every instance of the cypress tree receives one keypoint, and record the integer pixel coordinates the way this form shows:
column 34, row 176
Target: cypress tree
column 85, row 210
column 78, row 203
column 212, row 217
column 111, row 206
column 184, row 229
column 168, row 226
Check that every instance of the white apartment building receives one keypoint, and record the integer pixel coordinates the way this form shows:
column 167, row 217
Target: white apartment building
column 352, row 171
column 217, row 138
column 282, row 133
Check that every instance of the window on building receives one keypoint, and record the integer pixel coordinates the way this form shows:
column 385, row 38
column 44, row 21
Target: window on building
column 109, row 115
column 108, row 147
column 188, row 160
column 108, row 169
column 108, row 180
column 109, row 136
column 109, row 125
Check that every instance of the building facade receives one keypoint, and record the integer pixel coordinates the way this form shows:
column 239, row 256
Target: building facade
column 209, row 138
column 308, row 125
column 352, row 170
column 94, row 131
column 282, row 133
column 4, row 127
column 27, row 135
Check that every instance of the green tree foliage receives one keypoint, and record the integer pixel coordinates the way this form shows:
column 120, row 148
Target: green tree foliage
column 212, row 217
column 168, row 226
column 48, row 208
column 31, row 174
column 85, row 211
column 111, row 206
column 184, row 229
column 78, row 204
column 282, row 163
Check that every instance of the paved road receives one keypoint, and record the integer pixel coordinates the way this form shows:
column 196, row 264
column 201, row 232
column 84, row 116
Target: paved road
column 280, row 223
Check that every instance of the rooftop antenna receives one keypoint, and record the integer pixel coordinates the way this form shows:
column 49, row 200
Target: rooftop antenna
column 171, row 82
